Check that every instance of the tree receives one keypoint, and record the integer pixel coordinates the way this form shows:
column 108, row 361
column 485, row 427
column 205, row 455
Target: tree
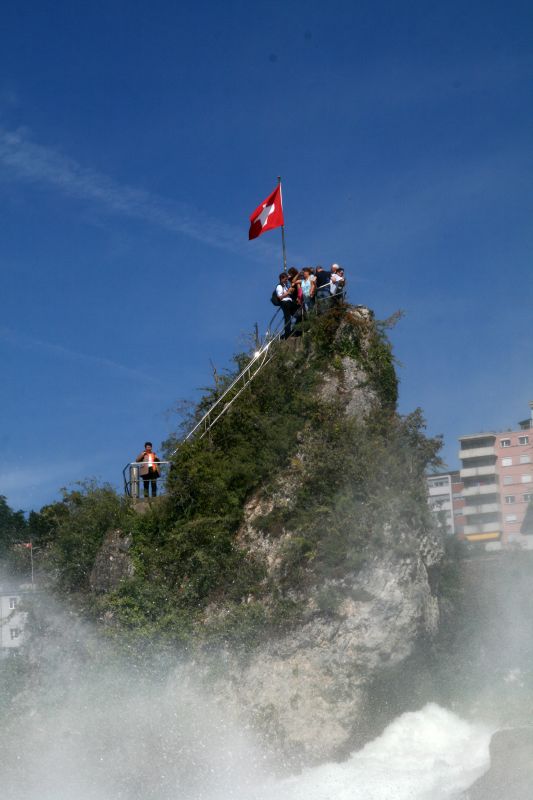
column 13, row 527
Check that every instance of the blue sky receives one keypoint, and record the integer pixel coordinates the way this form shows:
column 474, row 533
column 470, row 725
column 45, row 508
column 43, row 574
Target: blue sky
column 136, row 139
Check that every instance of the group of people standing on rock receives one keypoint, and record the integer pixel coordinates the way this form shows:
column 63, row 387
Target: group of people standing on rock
column 299, row 291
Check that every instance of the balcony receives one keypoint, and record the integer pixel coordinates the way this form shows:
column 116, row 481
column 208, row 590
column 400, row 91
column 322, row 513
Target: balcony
column 485, row 488
column 484, row 508
column 474, row 472
column 477, row 452
column 486, row 527
column 439, row 505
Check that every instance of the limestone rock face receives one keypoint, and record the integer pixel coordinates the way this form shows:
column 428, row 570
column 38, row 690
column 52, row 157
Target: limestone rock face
column 349, row 381
column 350, row 385
column 113, row 563
column 309, row 691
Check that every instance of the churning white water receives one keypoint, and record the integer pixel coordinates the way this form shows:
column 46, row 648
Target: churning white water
column 116, row 736
column 427, row 755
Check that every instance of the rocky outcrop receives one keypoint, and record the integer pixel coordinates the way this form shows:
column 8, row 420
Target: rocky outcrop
column 113, row 563
column 321, row 634
column 510, row 776
column 348, row 382
column 309, row 691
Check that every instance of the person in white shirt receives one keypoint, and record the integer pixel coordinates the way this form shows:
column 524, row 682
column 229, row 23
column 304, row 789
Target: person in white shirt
column 337, row 282
column 334, row 279
column 285, row 293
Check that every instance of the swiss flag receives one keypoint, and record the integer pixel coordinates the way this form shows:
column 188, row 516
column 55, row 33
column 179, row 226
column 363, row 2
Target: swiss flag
column 268, row 215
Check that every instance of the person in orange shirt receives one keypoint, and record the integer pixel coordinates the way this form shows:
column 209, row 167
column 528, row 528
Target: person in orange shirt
column 149, row 471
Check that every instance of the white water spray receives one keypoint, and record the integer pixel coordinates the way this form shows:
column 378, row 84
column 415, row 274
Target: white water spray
column 427, row 755
column 118, row 736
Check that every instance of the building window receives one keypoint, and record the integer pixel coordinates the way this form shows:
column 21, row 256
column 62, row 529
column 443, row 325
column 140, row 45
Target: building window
column 526, row 478
column 14, row 632
column 439, row 482
column 12, row 602
column 507, row 462
column 528, row 498
column 507, row 479
column 510, row 517
column 523, row 440
column 525, row 459
column 510, row 498
column 505, row 442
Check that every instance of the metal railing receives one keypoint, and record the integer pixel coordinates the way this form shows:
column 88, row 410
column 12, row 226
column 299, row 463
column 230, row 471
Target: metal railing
column 139, row 486
column 262, row 356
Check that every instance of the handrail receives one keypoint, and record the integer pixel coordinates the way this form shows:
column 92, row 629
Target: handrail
column 217, row 402
column 127, row 473
column 276, row 312
column 261, row 357
column 264, row 362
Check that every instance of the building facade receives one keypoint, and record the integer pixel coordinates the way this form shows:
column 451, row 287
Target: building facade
column 497, row 475
column 481, row 490
column 515, row 463
column 446, row 502
column 490, row 499
column 12, row 619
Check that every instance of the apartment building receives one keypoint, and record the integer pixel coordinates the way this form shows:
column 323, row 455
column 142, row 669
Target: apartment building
column 490, row 499
column 446, row 501
column 497, row 476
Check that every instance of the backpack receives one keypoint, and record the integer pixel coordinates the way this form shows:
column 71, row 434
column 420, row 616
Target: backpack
column 274, row 299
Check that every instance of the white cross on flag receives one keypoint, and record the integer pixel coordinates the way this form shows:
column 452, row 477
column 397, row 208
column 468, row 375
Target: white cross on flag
column 268, row 215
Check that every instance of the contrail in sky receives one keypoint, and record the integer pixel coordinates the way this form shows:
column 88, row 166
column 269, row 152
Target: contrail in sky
column 44, row 165
column 29, row 343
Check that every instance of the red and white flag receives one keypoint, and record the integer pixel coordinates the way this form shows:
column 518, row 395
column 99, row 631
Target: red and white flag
column 268, row 215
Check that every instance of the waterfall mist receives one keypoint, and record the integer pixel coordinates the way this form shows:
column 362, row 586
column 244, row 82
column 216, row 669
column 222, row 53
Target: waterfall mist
column 91, row 725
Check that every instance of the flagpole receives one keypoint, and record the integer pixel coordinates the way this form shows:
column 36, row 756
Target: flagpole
column 283, row 236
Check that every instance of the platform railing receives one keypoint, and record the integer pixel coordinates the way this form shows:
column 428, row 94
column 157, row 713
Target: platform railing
column 134, row 482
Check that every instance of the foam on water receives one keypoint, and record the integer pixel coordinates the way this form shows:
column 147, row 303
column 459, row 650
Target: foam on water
column 430, row 754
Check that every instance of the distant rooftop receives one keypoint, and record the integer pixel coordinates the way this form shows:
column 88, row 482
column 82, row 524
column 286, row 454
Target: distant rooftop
column 524, row 425
column 488, row 434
